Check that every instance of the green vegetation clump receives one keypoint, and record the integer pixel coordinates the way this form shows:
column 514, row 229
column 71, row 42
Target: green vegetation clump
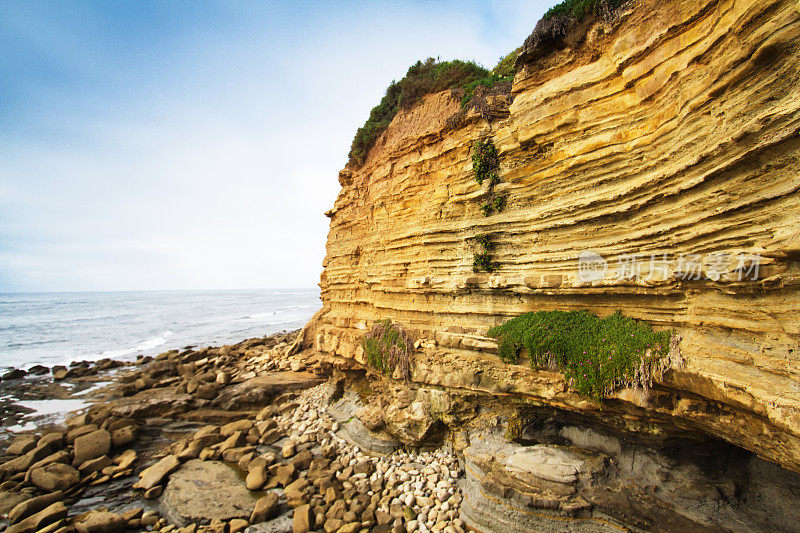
column 485, row 161
column 483, row 262
column 578, row 9
column 484, row 241
column 597, row 355
column 430, row 76
column 503, row 73
column 485, row 164
column 386, row 347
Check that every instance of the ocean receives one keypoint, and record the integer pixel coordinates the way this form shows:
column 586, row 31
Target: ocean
column 57, row 328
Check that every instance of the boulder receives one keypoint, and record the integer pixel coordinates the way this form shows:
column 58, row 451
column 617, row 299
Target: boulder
column 153, row 493
column 302, row 460
column 256, row 474
column 123, row 436
column 237, row 524
column 9, row 500
column 125, row 459
column 95, row 444
column 33, row 506
column 100, row 522
column 95, row 465
column 15, row 373
column 284, row 474
column 38, row 370
column 244, row 425
column 78, row 431
column 266, row 508
column 261, row 390
column 61, row 456
column 206, row 490
column 55, row 476
column 152, row 476
column 54, row 439
column 303, row 519
column 45, row 517
column 295, row 492
column 207, row 391
column 24, row 462
column 21, row 445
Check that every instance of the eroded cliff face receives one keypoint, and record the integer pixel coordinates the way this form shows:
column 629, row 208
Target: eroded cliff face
column 673, row 130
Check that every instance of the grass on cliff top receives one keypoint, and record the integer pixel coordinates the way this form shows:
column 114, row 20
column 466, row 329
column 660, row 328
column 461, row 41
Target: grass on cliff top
column 430, row 76
column 387, row 346
column 596, row 355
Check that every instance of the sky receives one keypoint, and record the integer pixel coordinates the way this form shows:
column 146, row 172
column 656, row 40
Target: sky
column 149, row 145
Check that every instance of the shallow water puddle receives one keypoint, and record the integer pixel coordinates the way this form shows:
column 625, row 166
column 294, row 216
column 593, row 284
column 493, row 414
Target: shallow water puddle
column 46, row 412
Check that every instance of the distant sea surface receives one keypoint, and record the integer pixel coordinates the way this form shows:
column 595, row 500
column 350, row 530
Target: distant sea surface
column 57, row 328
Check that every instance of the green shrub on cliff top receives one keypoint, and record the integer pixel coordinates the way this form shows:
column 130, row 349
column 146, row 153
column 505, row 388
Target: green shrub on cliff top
column 578, row 9
column 422, row 78
column 502, row 73
column 596, row 355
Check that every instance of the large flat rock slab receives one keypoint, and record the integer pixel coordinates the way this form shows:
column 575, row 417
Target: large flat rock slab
column 261, row 390
column 205, row 490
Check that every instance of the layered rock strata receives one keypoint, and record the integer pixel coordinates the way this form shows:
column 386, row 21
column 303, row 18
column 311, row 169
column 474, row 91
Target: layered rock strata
column 666, row 143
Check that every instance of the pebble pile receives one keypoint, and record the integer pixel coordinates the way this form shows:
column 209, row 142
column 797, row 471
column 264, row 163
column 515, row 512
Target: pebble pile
column 406, row 491
column 288, row 467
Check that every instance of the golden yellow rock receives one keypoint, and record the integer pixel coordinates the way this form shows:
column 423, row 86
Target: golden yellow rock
column 668, row 147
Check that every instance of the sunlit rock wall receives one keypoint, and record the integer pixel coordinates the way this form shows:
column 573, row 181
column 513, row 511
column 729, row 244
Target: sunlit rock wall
column 666, row 143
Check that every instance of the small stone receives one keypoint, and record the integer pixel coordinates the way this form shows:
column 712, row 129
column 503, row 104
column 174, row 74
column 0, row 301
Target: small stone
column 154, row 492
column 288, row 449
column 237, row 524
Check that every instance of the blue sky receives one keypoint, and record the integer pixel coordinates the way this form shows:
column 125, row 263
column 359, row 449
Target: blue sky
column 196, row 145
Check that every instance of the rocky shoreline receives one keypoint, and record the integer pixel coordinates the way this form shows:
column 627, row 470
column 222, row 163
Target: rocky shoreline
column 242, row 437
column 271, row 435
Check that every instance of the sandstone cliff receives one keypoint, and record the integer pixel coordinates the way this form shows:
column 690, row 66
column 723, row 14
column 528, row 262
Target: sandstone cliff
column 674, row 130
